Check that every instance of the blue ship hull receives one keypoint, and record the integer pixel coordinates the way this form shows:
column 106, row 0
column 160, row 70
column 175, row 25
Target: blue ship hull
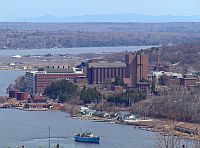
column 87, row 139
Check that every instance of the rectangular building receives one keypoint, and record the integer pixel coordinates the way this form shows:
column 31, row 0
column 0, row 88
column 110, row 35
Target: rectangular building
column 103, row 71
column 38, row 80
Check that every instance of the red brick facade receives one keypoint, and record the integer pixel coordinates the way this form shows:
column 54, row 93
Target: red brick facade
column 135, row 68
column 44, row 80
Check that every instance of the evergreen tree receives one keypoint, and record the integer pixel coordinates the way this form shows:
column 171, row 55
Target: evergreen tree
column 61, row 90
column 90, row 94
column 127, row 98
column 119, row 81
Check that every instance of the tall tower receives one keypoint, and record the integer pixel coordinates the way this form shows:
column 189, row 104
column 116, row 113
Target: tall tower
column 137, row 67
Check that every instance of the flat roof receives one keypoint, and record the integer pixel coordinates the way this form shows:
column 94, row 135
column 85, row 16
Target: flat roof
column 59, row 70
column 106, row 65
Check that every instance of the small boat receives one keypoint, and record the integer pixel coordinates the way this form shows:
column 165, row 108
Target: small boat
column 20, row 146
column 87, row 137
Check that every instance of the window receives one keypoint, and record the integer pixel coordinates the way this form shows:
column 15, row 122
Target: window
column 118, row 71
column 108, row 72
column 97, row 75
column 101, row 72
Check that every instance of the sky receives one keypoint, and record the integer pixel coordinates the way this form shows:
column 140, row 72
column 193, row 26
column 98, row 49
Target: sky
column 17, row 9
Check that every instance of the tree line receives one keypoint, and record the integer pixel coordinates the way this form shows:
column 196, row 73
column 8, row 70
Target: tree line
column 31, row 39
column 64, row 90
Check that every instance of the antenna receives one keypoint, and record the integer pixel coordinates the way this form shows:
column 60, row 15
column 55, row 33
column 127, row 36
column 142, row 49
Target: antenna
column 49, row 137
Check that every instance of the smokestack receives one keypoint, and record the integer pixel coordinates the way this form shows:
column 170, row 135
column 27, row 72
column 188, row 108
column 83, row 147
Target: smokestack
column 158, row 61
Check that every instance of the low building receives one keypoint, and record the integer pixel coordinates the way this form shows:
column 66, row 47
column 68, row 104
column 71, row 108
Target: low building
column 172, row 78
column 22, row 96
column 118, row 88
column 143, row 86
column 38, row 99
column 188, row 80
column 173, row 82
column 13, row 93
column 158, row 74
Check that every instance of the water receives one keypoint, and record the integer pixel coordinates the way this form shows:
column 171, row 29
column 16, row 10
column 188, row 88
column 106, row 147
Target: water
column 7, row 77
column 31, row 129
column 71, row 50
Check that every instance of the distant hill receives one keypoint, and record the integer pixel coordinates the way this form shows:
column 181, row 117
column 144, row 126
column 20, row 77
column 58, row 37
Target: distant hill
column 112, row 18
column 26, row 35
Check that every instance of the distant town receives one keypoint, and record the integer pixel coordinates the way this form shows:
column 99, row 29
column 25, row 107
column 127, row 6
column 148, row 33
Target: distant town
column 106, row 74
column 127, row 87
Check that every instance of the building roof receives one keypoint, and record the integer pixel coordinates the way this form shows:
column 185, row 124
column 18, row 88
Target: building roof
column 106, row 65
column 59, row 70
column 71, row 70
column 143, row 83
column 190, row 78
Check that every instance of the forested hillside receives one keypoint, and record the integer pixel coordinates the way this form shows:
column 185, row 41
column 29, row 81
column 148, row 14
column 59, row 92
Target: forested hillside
column 188, row 54
column 51, row 35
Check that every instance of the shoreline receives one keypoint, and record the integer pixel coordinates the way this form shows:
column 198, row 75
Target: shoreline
column 161, row 126
column 77, row 47
column 155, row 125
column 164, row 127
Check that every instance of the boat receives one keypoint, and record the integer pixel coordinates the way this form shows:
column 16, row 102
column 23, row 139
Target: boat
column 20, row 146
column 17, row 56
column 87, row 137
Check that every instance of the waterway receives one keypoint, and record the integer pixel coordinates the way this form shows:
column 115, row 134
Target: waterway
column 31, row 129
column 70, row 50
column 7, row 77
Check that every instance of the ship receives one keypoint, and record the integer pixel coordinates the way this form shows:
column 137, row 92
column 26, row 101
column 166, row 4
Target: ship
column 87, row 137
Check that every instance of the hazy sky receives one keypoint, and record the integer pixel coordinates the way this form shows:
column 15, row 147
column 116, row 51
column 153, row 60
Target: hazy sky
column 15, row 9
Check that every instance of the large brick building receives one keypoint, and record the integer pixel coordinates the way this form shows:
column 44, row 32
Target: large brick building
column 99, row 72
column 38, row 80
column 135, row 68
